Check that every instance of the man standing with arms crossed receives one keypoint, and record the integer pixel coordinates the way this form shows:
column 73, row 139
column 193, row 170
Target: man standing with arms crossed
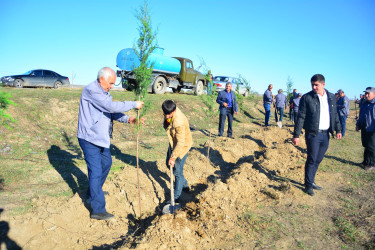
column 318, row 116
column 95, row 122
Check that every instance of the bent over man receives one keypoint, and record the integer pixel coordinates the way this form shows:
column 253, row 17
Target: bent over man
column 180, row 141
column 318, row 116
column 95, row 121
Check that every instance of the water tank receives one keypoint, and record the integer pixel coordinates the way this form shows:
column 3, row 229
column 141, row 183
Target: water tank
column 128, row 60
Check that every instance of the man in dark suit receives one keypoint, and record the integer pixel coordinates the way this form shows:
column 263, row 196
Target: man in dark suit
column 228, row 106
column 318, row 116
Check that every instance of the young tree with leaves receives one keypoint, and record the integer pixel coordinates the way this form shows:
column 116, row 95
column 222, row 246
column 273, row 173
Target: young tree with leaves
column 144, row 46
column 211, row 110
column 5, row 102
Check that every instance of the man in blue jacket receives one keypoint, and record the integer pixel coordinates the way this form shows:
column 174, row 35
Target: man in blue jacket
column 228, row 106
column 95, row 120
column 343, row 109
column 318, row 116
column 267, row 101
column 366, row 123
column 280, row 102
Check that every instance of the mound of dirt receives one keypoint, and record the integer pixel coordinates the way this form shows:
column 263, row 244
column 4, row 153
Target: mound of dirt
column 261, row 166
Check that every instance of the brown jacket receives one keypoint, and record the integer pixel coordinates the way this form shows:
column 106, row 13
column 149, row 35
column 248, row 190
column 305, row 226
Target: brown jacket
column 179, row 135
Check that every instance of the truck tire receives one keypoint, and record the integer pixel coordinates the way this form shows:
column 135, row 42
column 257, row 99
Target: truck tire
column 159, row 86
column 199, row 88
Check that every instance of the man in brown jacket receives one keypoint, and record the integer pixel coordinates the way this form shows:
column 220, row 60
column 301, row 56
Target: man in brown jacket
column 180, row 142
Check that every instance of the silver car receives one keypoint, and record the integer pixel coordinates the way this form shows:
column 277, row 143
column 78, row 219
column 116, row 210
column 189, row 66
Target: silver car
column 36, row 78
column 221, row 81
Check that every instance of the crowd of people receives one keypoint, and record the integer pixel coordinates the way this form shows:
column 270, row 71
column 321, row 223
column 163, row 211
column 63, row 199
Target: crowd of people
column 318, row 112
column 321, row 113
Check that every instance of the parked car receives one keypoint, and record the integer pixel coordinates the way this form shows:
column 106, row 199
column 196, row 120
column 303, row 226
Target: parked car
column 221, row 81
column 36, row 78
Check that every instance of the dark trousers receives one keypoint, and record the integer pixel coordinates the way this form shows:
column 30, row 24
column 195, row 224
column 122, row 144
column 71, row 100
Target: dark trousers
column 99, row 161
column 279, row 113
column 342, row 119
column 267, row 109
column 295, row 114
column 178, row 172
column 224, row 113
column 316, row 148
column 368, row 142
column 291, row 114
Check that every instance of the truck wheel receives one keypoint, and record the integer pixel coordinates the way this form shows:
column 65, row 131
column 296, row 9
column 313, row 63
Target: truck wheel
column 159, row 85
column 199, row 88
column 177, row 90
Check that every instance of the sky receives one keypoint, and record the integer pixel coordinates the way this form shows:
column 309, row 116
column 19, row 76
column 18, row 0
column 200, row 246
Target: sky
column 266, row 41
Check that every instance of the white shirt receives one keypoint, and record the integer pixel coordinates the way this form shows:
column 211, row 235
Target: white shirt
column 324, row 119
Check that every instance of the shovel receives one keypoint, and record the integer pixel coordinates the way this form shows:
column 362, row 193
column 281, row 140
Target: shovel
column 170, row 208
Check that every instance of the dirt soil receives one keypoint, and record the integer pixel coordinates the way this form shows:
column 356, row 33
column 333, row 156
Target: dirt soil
column 244, row 197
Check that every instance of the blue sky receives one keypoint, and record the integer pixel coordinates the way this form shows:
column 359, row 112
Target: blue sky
column 264, row 40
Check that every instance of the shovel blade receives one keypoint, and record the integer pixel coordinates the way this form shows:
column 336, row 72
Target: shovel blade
column 169, row 209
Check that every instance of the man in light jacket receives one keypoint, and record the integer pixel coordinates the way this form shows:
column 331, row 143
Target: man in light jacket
column 180, row 141
column 95, row 122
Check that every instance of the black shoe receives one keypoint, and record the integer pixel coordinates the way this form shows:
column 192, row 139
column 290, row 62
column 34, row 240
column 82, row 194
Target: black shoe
column 231, row 137
column 102, row 216
column 316, row 187
column 186, row 189
column 368, row 168
column 309, row 191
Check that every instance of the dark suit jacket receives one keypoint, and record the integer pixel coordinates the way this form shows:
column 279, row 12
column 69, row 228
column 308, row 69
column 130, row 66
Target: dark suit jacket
column 222, row 97
column 309, row 114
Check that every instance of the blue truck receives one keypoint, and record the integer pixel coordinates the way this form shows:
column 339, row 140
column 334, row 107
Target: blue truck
column 173, row 72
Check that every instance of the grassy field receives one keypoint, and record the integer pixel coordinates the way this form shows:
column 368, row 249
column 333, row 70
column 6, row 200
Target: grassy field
column 40, row 157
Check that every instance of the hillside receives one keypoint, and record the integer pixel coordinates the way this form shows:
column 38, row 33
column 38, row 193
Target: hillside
column 247, row 195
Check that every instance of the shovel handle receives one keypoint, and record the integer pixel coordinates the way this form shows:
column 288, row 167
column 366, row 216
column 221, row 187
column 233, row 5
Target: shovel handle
column 172, row 189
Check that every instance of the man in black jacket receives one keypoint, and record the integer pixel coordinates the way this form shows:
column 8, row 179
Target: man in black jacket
column 318, row 116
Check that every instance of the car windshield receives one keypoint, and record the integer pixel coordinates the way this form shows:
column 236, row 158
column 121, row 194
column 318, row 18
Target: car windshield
column 28, row 73
column 221, row 78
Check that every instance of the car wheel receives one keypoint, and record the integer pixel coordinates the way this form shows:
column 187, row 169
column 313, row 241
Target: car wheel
column 57, row 85
column 246, row 93
column 159, row 86
column 199, row 88
column 18, row 83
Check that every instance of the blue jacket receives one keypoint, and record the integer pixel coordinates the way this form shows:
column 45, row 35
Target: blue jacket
column 343, row 106
column 280, row 100
column 296, row 104
column 267, row 97
column 222, row 97
column 96, row 113
column 366, row 118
